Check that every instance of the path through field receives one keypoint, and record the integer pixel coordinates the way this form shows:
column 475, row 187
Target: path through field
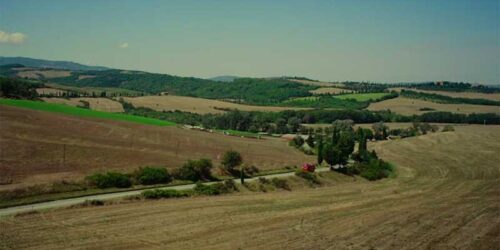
column 446, row 196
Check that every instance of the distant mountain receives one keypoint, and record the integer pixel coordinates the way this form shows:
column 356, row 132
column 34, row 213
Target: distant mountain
column 224, row 78
column 40, row 63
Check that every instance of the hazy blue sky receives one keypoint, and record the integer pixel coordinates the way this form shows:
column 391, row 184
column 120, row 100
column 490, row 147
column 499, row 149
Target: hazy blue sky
column 384, row 41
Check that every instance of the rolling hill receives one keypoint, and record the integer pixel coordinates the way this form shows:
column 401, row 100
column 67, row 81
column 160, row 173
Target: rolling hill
column 42, row 63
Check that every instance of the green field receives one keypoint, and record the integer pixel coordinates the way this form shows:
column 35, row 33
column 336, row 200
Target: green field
column 362, row 97
column 69, row 110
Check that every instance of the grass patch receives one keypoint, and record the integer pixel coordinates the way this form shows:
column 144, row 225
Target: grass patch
column 363, row 97
column 74, row 111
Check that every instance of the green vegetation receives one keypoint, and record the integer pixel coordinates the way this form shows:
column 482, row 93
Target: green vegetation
column 363, row 97
column 164, row 193
column 231, row 160
column 109, row 179
column 311, row 178
column 246, row 90
column 325, row 101
column 447, row 99
column 451, row 86
column 151, row 175
column 448, row 128
column 195, row 170
column 69, row 110
column 280, row 183
column 18, row 89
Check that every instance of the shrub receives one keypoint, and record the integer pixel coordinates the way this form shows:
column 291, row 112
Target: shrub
column 280, row 183
column 150, row 175
column 250, row 170
column 163, row 193
column 448, row 128
column 374, row 170
column 214, row 189
column 109, row 179
column 308, row 176
column 263, row 180
column 195, row 170
column 90, row 203
column 230, row 160
column 227, row 186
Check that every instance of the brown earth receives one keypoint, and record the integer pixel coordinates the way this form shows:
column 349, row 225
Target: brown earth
column 98, row 103
column 42, row 147
column 446, row 196
column 195, row 105
column 407, row 106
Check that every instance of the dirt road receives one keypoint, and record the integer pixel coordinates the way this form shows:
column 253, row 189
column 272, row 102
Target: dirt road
column 115, row 195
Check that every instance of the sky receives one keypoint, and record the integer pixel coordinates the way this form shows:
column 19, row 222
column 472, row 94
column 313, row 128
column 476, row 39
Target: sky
column 377, row 41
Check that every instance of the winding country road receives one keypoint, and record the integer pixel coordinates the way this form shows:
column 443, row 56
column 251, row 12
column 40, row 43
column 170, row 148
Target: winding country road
column 114, row 195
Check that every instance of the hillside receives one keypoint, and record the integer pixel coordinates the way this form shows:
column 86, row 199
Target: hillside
column 440, row 199
column 42, row 63
column 41, row 147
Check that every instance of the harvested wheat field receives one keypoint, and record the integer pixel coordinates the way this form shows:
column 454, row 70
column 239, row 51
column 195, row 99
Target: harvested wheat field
column 98, row 103
column 472, row 95
column 42, row 147
column 442, row 198
column 407, row 106
column 195, row 105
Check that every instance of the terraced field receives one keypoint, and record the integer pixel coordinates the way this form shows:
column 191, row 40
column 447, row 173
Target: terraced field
column 446, row 196
column 408, row 106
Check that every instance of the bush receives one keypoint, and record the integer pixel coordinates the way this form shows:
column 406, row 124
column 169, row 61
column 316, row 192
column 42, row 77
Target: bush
column 448, row 128
column 109, row 179
column 195, row 170
column 374, row 170
column 263, row 180
column 214, row 189
column 163, row 193
column 227, row 186
column 308, row 176
column 280, row 183
column 230, row 160
column 250, row 170
column 150, row 175
column 92, row 203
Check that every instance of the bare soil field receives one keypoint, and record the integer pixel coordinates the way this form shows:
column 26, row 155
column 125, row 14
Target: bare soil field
column 407, row 106
column 446, row 196
column 473, row 95
column 330, row 90
column 195, row 105
column 41, row 147
column 100, row 104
